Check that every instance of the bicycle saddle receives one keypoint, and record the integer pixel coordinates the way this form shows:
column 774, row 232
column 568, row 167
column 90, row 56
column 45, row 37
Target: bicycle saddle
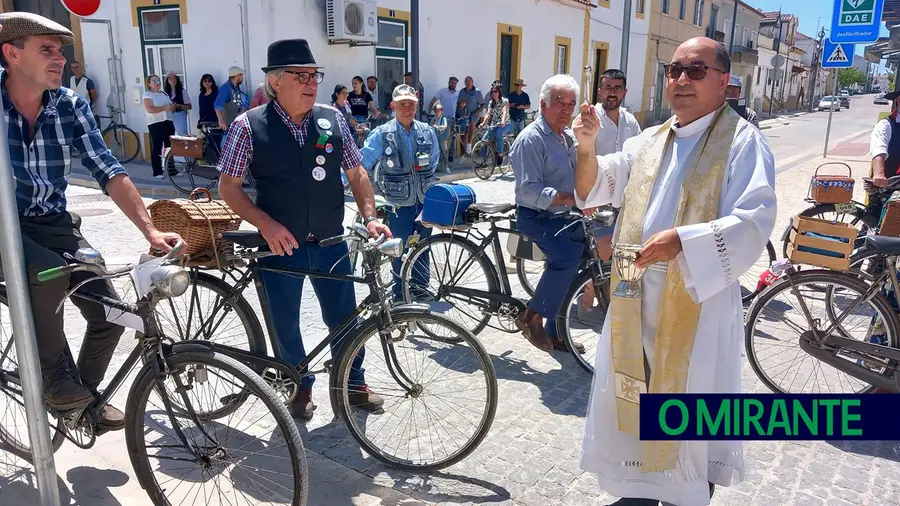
column 245, row 238
column 884, row 244
column 493, row 208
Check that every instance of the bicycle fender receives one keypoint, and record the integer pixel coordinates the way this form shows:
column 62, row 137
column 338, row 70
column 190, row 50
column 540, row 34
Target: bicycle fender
column 192, row 345
column 411, row 308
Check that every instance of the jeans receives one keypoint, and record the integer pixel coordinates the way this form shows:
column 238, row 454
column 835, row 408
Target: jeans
column 563, row 254
column 337, row 301
column 518, row 125
column 44, row 240
column 180, row 119
column 403, row 225
column 497, row 132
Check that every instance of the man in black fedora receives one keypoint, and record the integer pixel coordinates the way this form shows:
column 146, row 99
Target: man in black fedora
column 295, row 149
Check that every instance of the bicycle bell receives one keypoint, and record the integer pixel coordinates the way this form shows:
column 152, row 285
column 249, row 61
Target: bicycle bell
column 170, row 280
column 88, row 256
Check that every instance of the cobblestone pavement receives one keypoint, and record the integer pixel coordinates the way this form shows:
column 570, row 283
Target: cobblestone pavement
column 530, row 456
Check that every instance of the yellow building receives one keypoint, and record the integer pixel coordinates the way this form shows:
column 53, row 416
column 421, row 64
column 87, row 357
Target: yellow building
column 671, row 23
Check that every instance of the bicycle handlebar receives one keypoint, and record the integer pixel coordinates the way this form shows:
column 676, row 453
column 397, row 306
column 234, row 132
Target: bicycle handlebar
column 58, row 272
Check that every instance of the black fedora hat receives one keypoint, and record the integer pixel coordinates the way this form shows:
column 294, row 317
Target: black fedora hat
column 290, row 53
column 892, row 95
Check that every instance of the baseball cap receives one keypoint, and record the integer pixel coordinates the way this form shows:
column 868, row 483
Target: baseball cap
column 404, row 92
column 734, row 81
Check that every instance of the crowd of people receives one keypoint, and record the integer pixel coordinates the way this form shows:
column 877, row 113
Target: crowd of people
column 694, row 195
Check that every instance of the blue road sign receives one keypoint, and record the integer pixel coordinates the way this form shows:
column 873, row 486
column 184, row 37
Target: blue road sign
column 856, row 20
column 837, row 56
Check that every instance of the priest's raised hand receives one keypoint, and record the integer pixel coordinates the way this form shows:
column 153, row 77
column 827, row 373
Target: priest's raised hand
column 586, row 126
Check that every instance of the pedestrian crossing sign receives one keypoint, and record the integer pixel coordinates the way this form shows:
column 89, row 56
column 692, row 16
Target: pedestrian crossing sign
column 836, row 56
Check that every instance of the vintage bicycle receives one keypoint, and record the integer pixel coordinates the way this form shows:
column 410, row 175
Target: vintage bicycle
column 404, row 365
column 120, row 139
column 195, row 413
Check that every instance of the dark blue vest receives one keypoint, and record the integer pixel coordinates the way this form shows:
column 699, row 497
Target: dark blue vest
column 286, row 188
column 892, row 164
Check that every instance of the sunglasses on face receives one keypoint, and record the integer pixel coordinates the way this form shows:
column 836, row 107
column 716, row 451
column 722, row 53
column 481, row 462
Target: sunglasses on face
column 304, row 77
column 695, row 72
column 154, row 81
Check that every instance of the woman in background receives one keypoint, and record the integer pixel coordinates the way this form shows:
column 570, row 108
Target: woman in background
column 175, row 90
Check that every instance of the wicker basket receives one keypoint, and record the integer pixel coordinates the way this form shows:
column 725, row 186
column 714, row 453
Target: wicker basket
column 831, row 189
column 890, row 217
column 191, row 147
column 821, row 243
column 198, row 222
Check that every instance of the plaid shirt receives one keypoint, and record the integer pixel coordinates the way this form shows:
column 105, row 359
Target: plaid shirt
column 42, row 166
column 237, row 152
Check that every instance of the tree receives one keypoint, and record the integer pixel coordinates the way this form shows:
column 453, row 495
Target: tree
column 850, row 76
column 890, row 79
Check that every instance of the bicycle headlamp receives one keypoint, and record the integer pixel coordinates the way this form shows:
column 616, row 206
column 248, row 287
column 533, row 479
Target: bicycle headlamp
column 392, row 248
column 170, row 280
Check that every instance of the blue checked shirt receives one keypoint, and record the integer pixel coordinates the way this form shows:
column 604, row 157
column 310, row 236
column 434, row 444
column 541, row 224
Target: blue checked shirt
column 41, row 167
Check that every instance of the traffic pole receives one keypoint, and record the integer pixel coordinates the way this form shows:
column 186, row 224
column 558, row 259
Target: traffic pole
column 18, row 297
column 830, row 113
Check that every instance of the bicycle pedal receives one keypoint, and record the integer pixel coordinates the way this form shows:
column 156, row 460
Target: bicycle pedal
column 328, row 364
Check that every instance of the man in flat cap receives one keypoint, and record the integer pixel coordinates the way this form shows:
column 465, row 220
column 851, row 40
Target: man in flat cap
column 295, row 149
column 45, row 122
column 733, row 91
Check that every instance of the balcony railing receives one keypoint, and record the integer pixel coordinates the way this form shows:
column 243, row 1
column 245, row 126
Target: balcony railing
column 745, row 54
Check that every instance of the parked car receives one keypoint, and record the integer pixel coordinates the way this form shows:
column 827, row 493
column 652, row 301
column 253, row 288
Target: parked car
column 829, row 102
column 879, row 99
column 845, row 99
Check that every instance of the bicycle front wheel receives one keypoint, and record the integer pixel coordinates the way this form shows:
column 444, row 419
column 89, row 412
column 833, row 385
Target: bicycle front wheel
column 123, row 142
column 483, row 160
column 256, row 456
column 440, row 395
column 776, row 321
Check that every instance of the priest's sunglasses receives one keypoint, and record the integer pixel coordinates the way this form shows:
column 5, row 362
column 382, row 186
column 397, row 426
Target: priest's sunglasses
column 304, row 77
column 696, row 72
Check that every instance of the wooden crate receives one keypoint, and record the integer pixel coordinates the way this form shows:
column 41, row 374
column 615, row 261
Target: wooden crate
column 889, row 224
column 801, row 225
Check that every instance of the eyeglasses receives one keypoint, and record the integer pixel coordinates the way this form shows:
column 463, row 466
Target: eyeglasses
column 304, row 77
column 694, row 72
column 154, row 81
column 614, row 89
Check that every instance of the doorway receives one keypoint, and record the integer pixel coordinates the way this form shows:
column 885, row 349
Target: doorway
column 509, row 55
column 506, row 57
column 601, row 56
column 658, row 95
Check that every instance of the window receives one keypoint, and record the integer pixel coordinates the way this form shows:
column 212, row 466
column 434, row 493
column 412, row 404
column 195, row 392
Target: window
column 562, row 59
column 758, row 72
column 754, row 36
column 665, row 6
column 639, row 7
column 736, row 41
column 713, row 21
column 391, row 35
column 681, row 9
column 747, row 37
column 726, row 29
column 163, row 50
column 698, row 12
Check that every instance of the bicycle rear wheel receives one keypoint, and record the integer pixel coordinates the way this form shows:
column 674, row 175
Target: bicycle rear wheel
column 191, row 173
column 14, row 436
column 123, row 142
column 440, row 434
column 749, row 281
column 263, row 439
column 580, row 321
column 529, row 273
column 825, row 293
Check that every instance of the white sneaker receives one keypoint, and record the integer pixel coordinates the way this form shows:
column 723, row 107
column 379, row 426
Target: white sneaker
column 468, row 149
column 159, row 176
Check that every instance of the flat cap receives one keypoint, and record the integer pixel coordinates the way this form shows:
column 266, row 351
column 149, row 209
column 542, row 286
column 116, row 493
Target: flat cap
column 734, row 81
column 22, row 24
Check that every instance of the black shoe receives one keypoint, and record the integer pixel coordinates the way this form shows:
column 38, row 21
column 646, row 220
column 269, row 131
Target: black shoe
column 64, row 393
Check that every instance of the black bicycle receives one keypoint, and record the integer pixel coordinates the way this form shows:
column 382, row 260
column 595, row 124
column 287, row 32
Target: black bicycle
column 120, row 139
column 401, row 363
column 462, row 281
column 175, row 415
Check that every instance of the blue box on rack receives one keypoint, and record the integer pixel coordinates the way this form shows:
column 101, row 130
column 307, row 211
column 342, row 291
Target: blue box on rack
column 446, row 204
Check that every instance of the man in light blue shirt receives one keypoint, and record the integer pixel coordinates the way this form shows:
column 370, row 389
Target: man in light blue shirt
column 406, row 153
column 543, row 160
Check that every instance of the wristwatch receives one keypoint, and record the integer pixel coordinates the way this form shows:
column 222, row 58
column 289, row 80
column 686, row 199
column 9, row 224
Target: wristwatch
column 370, row 219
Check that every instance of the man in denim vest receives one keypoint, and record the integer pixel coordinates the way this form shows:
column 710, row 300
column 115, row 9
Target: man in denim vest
column 406, row 153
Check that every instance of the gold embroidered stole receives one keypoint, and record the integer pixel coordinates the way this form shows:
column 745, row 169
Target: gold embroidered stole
column 679, row 316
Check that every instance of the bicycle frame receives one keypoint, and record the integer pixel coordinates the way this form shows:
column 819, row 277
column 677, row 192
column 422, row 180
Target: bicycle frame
column 252, row 275
column 825, row 345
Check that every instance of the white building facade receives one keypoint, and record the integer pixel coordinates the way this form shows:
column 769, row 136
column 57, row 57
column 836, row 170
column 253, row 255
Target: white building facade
column 488, row 40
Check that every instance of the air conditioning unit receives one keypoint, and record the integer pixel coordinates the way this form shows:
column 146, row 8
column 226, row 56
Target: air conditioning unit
column 353, row 22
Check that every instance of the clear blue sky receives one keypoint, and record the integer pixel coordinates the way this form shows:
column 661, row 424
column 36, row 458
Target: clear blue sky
column 808, row 12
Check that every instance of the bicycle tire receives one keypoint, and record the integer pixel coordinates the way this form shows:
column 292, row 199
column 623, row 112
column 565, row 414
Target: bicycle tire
column 817, row 211
column 523, row 279
column 507, row 163
column 9, row 442
column 824, row 277
column 399, row 315
column 562, row 321
column 146, row 382
column 482, row 160
column 169, row 159
column 753, row 292
column 125, row 132
column 481, row 259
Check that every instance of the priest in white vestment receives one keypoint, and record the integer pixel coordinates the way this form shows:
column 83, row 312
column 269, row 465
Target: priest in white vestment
column 697, row 193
